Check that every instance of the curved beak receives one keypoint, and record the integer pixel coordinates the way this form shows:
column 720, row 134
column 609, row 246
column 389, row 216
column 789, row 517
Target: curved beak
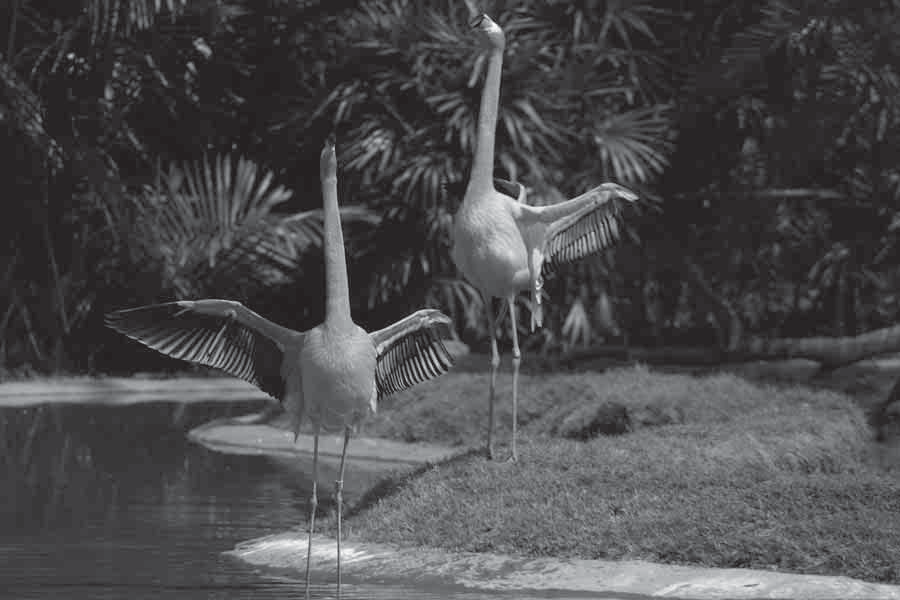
column 476, row 21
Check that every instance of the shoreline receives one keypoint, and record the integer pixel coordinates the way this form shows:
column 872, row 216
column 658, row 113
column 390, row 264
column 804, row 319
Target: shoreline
column 469, row 570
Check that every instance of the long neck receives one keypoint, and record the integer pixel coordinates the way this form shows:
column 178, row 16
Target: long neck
column 482, row 176
column 337, row 290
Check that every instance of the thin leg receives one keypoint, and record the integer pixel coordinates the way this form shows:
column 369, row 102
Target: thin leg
column 516, row 361
column 500, row 316
column 338, row 493
column 313, row 502
column 495, row 364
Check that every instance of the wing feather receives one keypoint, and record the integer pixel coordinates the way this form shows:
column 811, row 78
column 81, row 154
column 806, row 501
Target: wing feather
column 222, row 334
column 411, row 351
column 597, row 224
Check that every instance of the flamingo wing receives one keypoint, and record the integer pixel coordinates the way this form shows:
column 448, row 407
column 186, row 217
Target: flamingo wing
column 411, row 351
column 582, row 226
column 222, row 334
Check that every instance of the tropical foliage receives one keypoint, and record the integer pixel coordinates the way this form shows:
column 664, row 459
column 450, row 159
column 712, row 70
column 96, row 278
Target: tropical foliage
column 799, row 118
column 162, row 149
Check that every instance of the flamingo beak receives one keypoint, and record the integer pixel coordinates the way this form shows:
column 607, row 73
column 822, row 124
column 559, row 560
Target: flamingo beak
column 475, row 22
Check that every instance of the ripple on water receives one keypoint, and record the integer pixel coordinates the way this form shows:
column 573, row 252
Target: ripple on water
column 105, row 501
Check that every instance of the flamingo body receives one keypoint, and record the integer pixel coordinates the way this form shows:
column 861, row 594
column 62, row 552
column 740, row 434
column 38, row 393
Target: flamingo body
column 502, row 245
column 333, row 374
column 340, row 366
column 488, row 246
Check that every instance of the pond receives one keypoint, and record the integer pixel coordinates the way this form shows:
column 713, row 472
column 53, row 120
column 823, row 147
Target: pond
column 106, row 501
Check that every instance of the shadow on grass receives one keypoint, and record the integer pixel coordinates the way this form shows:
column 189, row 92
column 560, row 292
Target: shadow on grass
column 392, row 484
column 716, row 470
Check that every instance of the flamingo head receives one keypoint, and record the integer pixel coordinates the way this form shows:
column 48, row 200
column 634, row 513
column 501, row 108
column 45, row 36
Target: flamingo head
column 328, row 160
column 493, row 35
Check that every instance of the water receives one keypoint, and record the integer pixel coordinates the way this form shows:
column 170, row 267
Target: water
column 104, row 501
column 108, row 502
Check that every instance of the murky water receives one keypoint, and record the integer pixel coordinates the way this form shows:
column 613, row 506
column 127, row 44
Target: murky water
column 115, row 502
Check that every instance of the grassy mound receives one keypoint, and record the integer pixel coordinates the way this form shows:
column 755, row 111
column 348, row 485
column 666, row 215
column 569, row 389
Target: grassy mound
column 736, row 474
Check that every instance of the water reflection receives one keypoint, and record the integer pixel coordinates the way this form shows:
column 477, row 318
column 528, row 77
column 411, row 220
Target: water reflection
column 104, row 501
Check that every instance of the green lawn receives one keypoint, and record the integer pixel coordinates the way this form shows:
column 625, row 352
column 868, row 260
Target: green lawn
column 714, row 471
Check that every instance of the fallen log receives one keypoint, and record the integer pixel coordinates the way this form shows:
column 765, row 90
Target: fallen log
column 830, row 352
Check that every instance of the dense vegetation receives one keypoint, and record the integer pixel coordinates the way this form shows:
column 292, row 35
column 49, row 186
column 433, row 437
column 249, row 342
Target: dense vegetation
column 165, row 149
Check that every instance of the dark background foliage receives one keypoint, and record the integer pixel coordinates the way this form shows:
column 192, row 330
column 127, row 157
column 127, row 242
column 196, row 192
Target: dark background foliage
column 168, row 149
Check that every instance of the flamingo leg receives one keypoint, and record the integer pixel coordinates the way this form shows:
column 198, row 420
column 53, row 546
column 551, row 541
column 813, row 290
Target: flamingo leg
column 313, row 502
column 495, row 364
column 338, row 493
column 501, row 315
column 516, row 361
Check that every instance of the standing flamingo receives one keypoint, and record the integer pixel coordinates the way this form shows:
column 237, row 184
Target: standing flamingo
column 501, row 244
column 334, row 373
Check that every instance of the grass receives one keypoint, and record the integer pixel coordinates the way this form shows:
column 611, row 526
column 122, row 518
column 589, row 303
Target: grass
column 714, row 471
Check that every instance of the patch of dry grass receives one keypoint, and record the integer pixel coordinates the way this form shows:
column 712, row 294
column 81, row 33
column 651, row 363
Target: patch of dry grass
column 453, row 409
column 743, row 475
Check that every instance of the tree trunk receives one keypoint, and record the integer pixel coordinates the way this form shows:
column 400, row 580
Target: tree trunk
column 830, row 352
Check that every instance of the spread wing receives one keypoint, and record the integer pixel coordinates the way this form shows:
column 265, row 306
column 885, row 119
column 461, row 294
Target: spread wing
column 584, row 225
column 411, row 351
column 222, row 334
column 564, row 232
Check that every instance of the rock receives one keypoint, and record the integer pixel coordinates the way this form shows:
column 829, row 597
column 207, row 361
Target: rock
column 655, row 415
column 603, row 418
column 885, row 418
column 608, row 417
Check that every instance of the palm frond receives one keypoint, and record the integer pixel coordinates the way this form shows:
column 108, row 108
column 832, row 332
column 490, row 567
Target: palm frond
column 459, row 299
column 109, row 18
column 576, row 328
column 28, row 115
column 270, row 253
column 213, row 222
column 634, row 145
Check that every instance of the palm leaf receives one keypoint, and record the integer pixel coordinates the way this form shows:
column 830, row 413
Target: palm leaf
column 110, row 18
column 459, row 299
column 28, row 115
column 576, row 328
column 633, row 145
column 213, row 227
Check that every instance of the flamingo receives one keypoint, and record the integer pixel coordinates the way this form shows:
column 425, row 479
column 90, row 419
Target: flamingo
column 502, row 245
column 334, row 373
